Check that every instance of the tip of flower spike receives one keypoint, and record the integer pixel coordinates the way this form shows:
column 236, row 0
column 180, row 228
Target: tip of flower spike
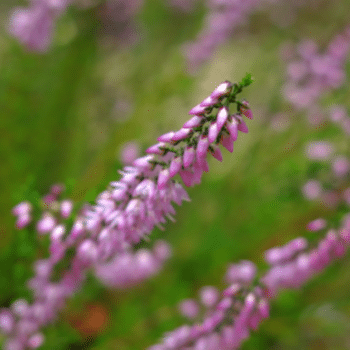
column 247, row 80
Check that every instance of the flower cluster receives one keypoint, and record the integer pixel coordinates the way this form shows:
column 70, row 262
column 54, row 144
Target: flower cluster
column 34, row 26
column 292, row 265
column 128, row 269
column 224, row 17
column 228, row 317
column 311, row 73
column 103, row 236
column 337, row 180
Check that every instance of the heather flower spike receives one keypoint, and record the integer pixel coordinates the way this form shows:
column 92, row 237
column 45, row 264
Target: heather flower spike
column 103, row 236
column 229, row 316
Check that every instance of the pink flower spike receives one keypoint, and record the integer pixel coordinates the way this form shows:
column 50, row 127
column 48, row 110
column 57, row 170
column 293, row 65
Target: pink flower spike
column 163, row 178
column 242, row 126
column 197, row 110
column 209, row 101
column 181, row 134
column 217, row 153
column 223, row 89
column 187, row 177
column 193, row 122
column 222, row 117
column 213, row 132
column 232, row 127
column 227, row 142
column 189, row 156
column 175, row 166
column 155, row 149
column 166, row 137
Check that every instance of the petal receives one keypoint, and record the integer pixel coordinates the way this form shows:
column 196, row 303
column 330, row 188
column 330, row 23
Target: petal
column 193, row 122
column 202, row 147
column 232, row 127
column 222, row 117
column 197, row 173
column 163, row 178
column 197, row 110
column 187, row 177
column 217, row 153
column 242, row 126
column 189, row 156
column 166, row 137
column 213, row 132
column 175, row 166
column 143, row 162
column 223, row 89
column 247, row 112
column 209, row 101
column 155, row 149
column 181, row 134
column 227, row 142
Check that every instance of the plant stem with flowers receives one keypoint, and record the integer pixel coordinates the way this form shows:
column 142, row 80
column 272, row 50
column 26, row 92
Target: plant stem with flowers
column 102, row 236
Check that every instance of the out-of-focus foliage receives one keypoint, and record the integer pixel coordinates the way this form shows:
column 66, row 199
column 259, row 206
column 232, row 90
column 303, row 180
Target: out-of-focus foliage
column 64, row 117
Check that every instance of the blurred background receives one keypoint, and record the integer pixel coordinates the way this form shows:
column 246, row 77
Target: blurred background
column 113, row 79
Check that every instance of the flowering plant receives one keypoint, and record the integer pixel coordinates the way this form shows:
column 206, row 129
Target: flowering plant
column 84, row 269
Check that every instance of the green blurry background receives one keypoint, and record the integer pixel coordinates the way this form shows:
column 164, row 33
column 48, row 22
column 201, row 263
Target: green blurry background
column 64, row 117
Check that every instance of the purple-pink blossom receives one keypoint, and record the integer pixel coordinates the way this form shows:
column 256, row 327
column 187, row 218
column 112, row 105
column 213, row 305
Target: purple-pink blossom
column 319, row 150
